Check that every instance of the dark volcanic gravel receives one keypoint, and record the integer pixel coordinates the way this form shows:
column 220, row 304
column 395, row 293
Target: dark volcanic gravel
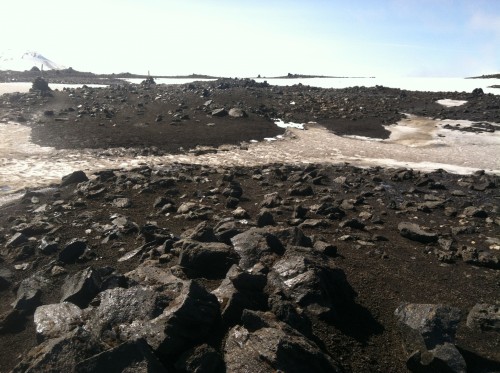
column 188, row 268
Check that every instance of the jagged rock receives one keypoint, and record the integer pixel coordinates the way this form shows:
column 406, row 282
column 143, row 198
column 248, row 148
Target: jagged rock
column 271, row 200
column 17, row 240
column 30, row 291
column 240, row 290
column 185, row 322
column 47, row 247
column 171, row 320
column 300, row 212
column 293, row 237
column 226, row 229
column 74, row 178
column 200, row 359
column 427, row 325
column 131, row 356
column 264, row 218
column 54, row 320
column 312, row 281
column 233, row 190
column 263, row 344
column 254, row 245
column 428, row 333
column 484, row 317
column 202, row 233
column 211, row 260
column 72, row 250
column 253, row 279
column 59, row 354
column 81, row 287
column 413, row 232
column 300, row 189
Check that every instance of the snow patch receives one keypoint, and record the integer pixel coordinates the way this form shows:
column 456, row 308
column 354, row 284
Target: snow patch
column 451, row 103
column 280, row 123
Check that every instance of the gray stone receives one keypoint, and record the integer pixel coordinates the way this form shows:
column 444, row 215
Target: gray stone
column 74, row 178
column 264, row 344
column 425, row 326
column 122, row 203
column 54, row 320
column 16, row 240
column 256, row 244
column 59, row 354
column 312, row 281
column 428, row 332
column 81, row 287
column 30, row 291
column 219, row 112
column 122, row 309
column 237, row 113
column 413, row 232
column 72, row 250
column 237, row 292
column 264, row 218
column 484, row 317
column 211, row 259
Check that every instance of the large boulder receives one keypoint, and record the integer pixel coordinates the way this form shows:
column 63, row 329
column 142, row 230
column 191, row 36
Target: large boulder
column 240, row 290
column 264, row 344
column 312, row 281
column 81, row 287
column 256, row 244
column 428, row 332
column 210, row 260
column 59, row 354
column 55, row 320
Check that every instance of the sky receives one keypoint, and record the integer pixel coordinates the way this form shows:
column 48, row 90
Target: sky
column 449, row 38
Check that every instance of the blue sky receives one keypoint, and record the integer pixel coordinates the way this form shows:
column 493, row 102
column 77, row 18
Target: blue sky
column 273, row 37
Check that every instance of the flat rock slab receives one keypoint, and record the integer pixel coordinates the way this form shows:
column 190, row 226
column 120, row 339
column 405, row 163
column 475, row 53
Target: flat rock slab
column 414, row 232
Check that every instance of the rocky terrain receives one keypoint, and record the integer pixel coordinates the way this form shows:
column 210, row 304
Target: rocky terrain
column 163, row 118
column 253, row 269
column 190, row 268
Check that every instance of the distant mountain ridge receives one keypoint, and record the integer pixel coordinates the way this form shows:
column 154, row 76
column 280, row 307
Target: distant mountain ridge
column 23, row 61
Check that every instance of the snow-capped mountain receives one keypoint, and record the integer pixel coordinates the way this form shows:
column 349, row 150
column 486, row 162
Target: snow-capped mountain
column 21, row 61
